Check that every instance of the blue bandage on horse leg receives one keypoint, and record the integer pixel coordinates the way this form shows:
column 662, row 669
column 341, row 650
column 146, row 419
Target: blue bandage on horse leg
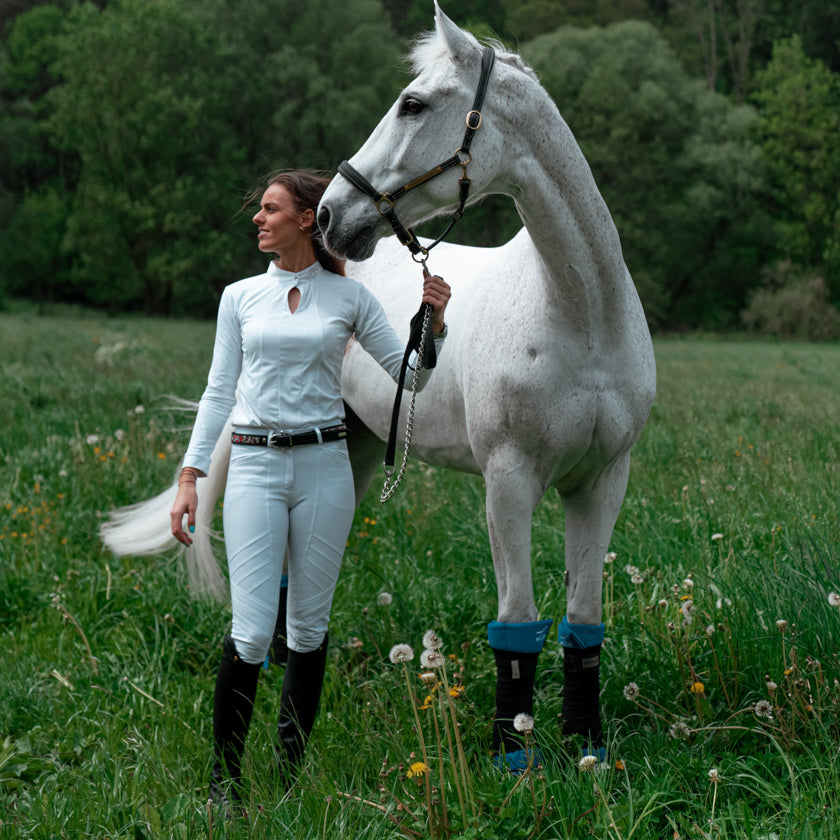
column 581, row 668
column 516, row 647
column 523, row 637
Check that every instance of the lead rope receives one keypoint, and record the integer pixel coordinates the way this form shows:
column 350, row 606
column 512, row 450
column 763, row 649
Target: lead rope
column 392, row 483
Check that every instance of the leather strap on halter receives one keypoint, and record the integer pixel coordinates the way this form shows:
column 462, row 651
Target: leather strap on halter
column 385, row 202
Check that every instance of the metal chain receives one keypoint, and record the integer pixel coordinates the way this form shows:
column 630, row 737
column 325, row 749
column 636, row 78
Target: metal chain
column 391, row 484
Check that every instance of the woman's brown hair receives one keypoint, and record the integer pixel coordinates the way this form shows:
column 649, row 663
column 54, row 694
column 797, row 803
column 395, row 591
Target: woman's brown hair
column 306, row 188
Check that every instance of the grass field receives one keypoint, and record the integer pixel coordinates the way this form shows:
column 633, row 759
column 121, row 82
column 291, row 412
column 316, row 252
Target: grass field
column 721, row 652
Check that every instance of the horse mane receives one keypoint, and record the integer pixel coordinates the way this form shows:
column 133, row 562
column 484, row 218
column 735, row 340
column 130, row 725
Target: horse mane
column 431, row 47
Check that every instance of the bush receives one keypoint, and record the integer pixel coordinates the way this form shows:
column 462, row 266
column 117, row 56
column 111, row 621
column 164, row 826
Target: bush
column 792, row 306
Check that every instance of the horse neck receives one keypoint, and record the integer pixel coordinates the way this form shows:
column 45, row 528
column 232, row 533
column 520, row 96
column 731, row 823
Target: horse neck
column 563, row 210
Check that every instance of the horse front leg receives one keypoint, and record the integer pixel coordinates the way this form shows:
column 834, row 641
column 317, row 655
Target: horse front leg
column 590, row 519
column 517, row 636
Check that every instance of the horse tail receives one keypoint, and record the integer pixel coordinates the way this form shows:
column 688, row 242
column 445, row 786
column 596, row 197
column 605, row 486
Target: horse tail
column 145, row 528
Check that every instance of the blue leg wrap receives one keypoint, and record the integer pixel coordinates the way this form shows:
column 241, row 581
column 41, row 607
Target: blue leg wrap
column 524, row 637
column 579, row 635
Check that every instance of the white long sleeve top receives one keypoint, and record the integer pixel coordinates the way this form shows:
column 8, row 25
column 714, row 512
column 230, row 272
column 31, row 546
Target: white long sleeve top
column 281, row 370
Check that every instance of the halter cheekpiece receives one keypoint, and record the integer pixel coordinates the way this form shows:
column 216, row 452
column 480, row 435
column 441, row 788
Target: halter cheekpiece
column 385, row 202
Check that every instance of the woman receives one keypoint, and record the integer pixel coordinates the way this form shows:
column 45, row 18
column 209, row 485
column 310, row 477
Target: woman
column 277, row 357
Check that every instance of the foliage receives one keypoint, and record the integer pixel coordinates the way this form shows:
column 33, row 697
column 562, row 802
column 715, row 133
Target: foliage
column 792, row 306
column 675, row 163
column 105, row 704
column 800, row 106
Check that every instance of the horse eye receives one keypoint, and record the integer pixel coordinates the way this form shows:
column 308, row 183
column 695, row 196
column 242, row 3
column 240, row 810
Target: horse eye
column 411, row 106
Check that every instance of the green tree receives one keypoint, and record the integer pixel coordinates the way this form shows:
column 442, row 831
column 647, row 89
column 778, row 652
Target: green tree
column 673, row 160
column 799, row 99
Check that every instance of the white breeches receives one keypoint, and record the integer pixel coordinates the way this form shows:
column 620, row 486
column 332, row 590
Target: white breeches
column 303, row 498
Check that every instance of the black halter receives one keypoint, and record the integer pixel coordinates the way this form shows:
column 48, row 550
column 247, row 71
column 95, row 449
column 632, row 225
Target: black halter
column 385, row 202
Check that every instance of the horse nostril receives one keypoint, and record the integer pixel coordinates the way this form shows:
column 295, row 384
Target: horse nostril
column 323, row 219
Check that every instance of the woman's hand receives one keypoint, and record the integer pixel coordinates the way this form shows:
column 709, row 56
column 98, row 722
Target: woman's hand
column 186, row 502
column 437, row 292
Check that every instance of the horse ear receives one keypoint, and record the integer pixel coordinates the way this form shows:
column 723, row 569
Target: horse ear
column 461, row 45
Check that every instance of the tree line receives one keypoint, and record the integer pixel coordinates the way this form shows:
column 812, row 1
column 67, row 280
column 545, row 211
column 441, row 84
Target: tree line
column 131, row 132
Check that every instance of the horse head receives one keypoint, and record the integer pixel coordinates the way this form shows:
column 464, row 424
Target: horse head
column 426, row 125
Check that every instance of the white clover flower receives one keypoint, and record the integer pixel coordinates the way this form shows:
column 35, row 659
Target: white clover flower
column 431, row 659
column 523, row 723
column 384, row 599
column 401, row 653
column 587, row 763
column 834, row 599
column 432, row 641
column 631, row 691
column 764, row 709
column 714, row 776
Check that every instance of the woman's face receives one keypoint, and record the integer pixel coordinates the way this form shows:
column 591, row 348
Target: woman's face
column 278, row 221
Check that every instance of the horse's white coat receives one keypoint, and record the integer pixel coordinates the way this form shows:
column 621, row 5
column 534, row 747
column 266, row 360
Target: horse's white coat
column 548, row 375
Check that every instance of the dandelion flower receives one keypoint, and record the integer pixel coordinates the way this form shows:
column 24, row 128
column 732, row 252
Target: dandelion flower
column 611, row 557
column 688, row 583
column 782, row 624
column 384, row 599
column 428, row 677
column 90, row 440
column 431, row 659
column 139, row 409
column 771, row 686
column 710, row 630
column 631, row 570
column 417, row 769
column 432, row 641
column 637, row 578
column 631, row 691
column 401, row 653
column 834, row 599
column 764, row 709
column 697, row 687
column 587, row 763
column 714, row 776
column 523, row 723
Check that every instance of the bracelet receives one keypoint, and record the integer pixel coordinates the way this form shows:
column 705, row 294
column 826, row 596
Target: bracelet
column 184, row 476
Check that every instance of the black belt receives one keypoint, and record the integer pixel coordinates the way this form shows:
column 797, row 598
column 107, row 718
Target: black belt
column 284, row 440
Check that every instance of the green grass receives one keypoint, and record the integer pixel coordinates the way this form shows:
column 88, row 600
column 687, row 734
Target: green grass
column 109, row 664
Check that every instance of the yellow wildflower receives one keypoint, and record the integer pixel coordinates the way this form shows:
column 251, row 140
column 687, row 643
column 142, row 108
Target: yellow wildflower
column 416, row 770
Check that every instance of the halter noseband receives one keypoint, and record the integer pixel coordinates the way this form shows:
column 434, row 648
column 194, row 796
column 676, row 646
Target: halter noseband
column 385, row 202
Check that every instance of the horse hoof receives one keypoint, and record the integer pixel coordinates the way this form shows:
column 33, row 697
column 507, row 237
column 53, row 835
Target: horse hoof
column 517, row 762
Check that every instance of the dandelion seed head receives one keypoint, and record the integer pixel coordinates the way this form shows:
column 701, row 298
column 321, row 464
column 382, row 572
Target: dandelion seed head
column 384, row 599
column 680, row 731
column 631, row 570
column 401, row 653
column 688, row 583
column 637, row 579
column 782, row 624
column 139, row 409
column 717, row 537
column 834, row 599
column 523, row 723
column 431, row 659
column 764, row 709
column 428, row 677
column 771, row 686
column 631, row 691
column 710, row 630
column 714, row 776
column 611, row 557
column 432, row 641
column 587, row 763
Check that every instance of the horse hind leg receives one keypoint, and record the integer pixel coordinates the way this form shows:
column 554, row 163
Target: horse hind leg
column 590, row 519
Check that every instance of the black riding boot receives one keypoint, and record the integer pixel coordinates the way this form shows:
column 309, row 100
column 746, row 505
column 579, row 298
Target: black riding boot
column 278, row 652
column 302, row 684
column 515, row 674
column 581, row 687
column 236, row 687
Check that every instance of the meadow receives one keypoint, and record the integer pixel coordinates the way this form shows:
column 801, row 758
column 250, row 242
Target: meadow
column 720, row 672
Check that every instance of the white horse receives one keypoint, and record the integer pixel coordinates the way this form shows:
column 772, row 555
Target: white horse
column 547, row 376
